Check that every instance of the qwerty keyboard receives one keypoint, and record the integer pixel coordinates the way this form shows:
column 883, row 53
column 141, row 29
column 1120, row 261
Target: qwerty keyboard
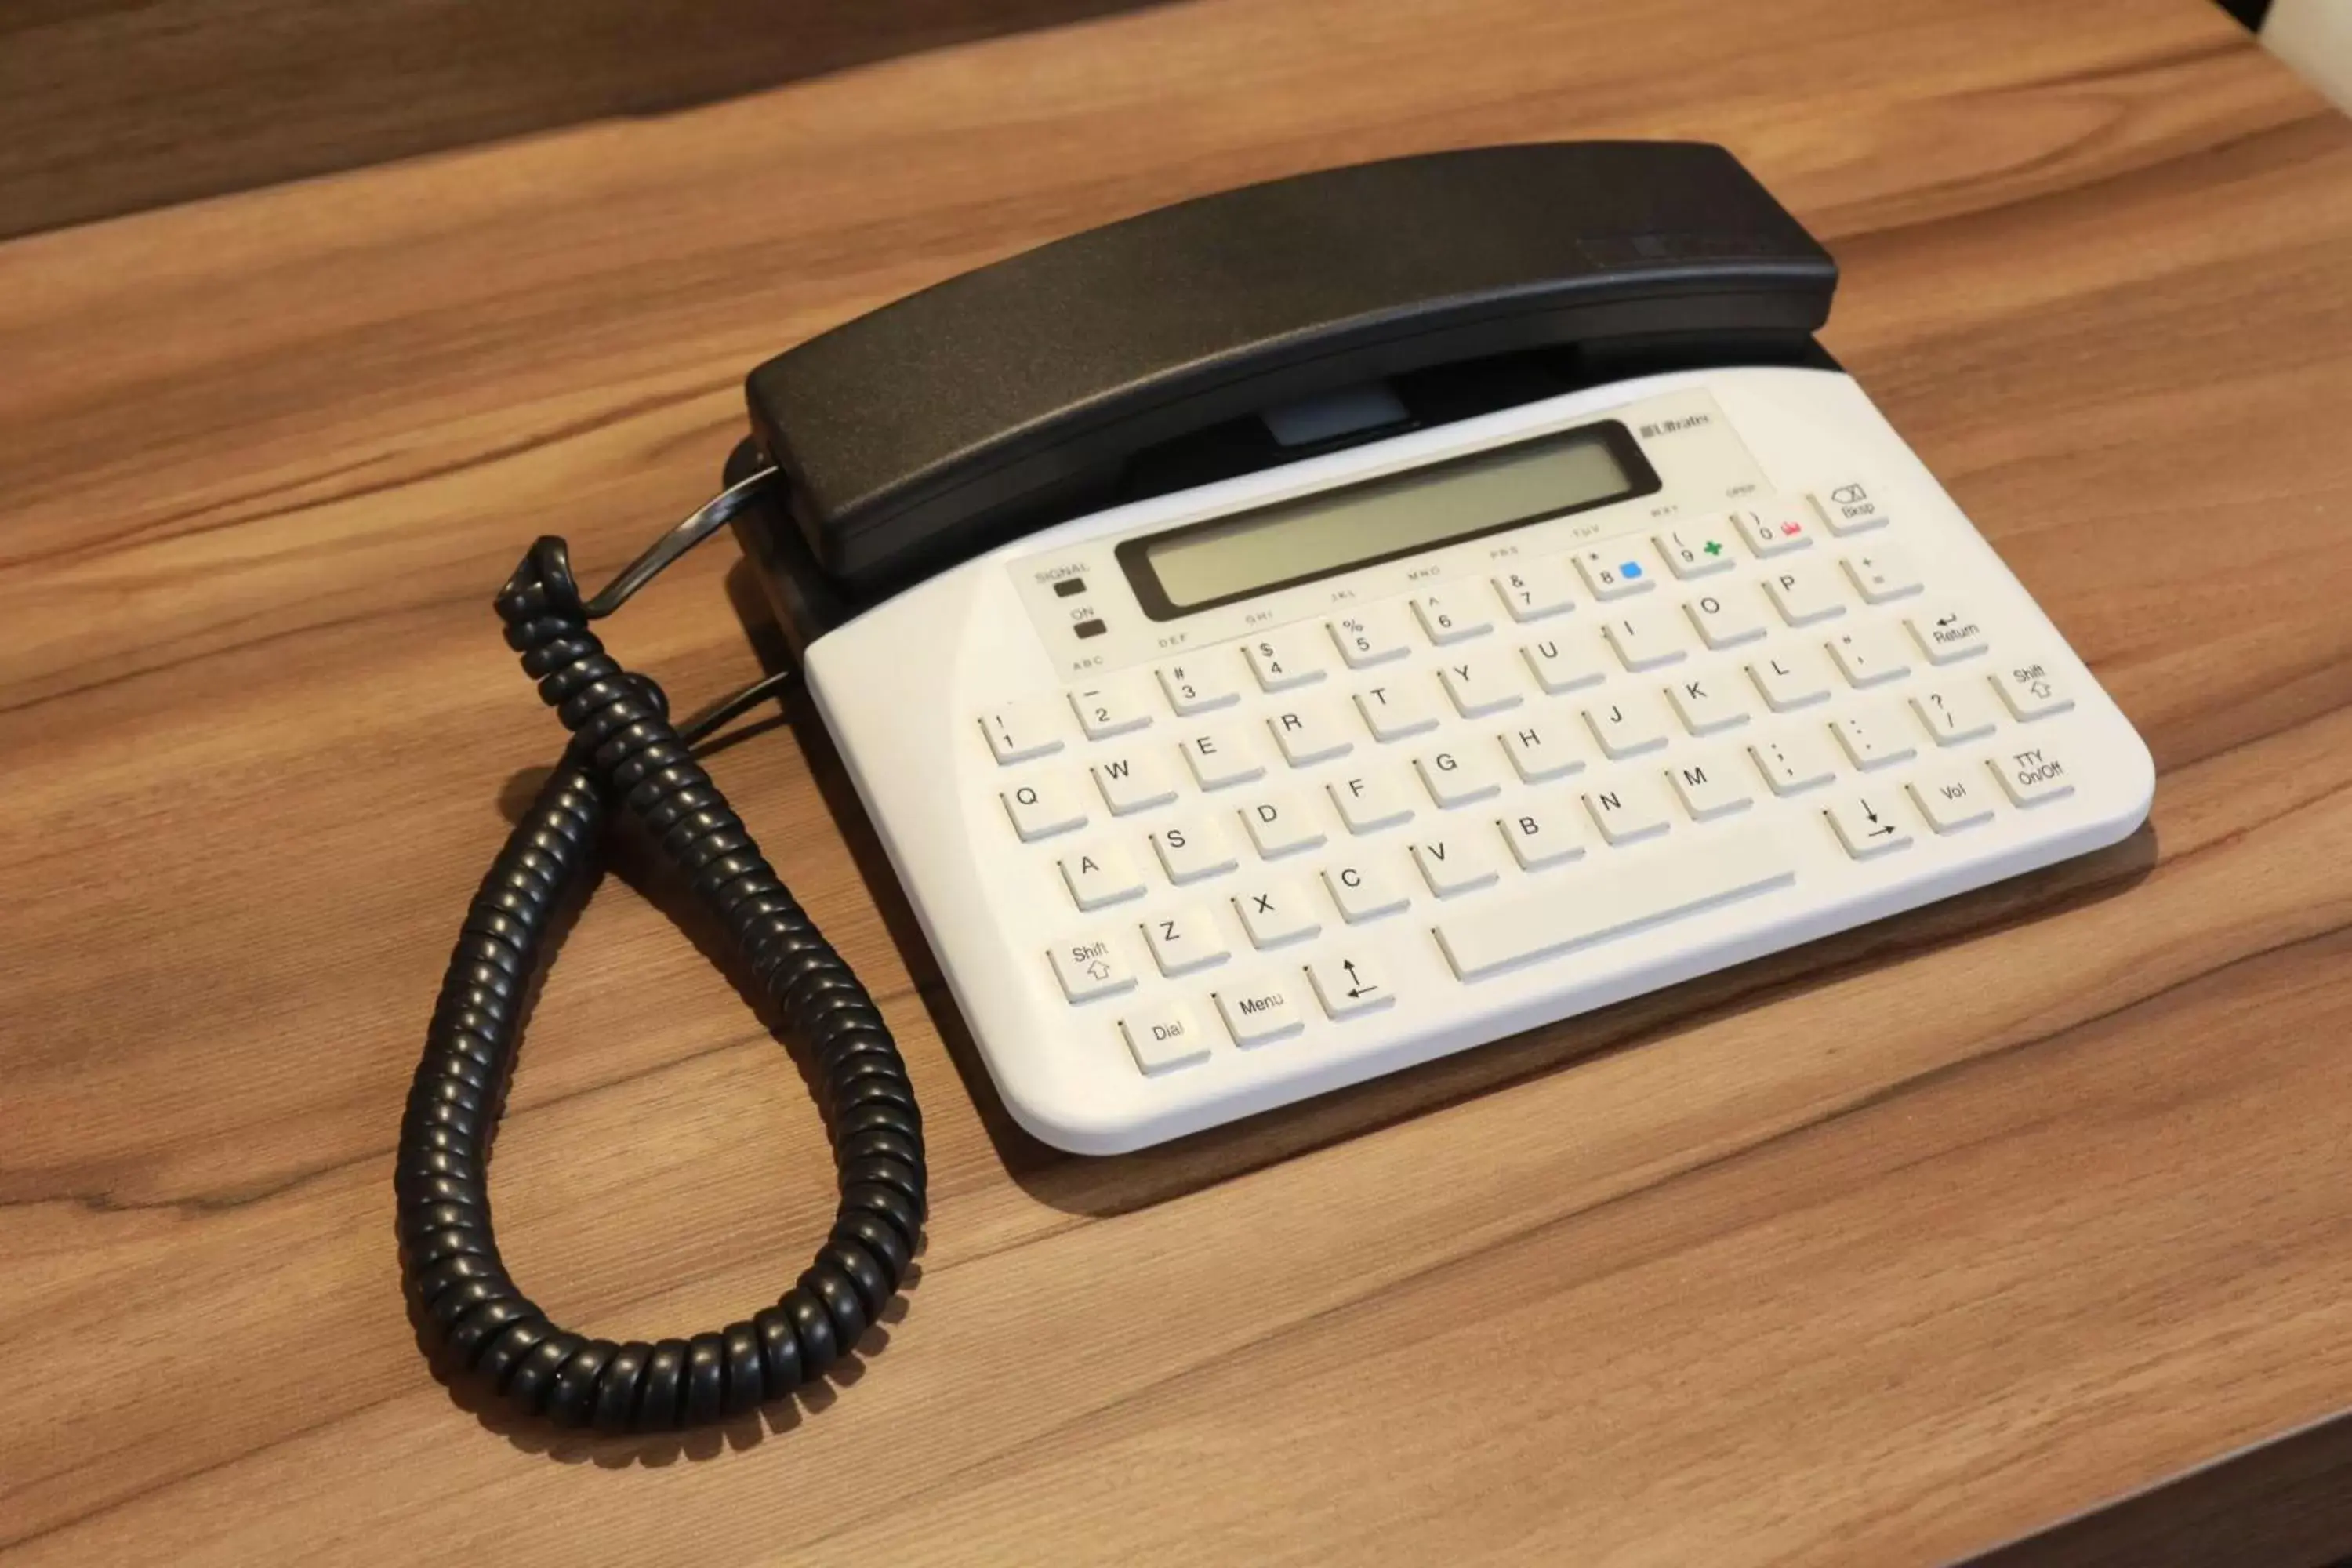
column 1484, row 752
column 1184, row 863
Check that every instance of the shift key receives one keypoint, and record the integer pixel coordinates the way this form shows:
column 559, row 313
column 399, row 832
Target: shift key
column 1501, row 934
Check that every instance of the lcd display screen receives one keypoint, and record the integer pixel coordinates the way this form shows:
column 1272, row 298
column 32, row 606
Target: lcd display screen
column 1232, row 558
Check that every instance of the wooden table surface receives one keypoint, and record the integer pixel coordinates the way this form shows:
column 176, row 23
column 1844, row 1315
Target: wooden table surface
column 1885, row 1250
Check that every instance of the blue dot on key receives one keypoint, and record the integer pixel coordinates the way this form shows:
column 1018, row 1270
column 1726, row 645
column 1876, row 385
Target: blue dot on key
column 1630, row 569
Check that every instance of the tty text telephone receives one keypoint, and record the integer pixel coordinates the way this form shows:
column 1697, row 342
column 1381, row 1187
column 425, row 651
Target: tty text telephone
column 1278, row 639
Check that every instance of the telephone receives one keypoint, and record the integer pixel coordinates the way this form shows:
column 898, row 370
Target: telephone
column 1278, row 639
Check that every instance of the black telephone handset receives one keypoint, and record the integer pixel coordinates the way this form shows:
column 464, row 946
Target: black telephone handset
column 1025, row 393
column 1133, row 356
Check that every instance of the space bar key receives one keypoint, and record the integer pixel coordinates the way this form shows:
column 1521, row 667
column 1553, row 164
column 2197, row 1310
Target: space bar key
column 1577, row 911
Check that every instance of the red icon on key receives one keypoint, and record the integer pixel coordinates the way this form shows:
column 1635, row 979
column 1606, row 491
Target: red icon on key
column 1792, row 528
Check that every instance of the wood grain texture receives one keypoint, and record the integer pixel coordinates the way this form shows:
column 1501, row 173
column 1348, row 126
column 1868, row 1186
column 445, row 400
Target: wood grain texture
column 116, row 106
column 1885, row 1250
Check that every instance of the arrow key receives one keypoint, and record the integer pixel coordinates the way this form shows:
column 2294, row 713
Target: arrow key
column 1349, row 985
column 1867, row 824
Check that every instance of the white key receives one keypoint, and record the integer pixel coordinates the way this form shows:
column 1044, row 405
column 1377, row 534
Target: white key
column 2034, row 774
column 1311, row 731
column 1730, row 615
column 1954, row 798
column 1368, row 802
column 1617, row 570
column 1562, row 664
column 1804, row 592
column 1479, row 683
column 1493, row 936
column 1348, row 984
column 1850, row 508
column 1090, row 967
column 1869, row 654
column 1193, row 851
column 1882, row 572
column 1275, row 913
column 1951, row 714
column 1794, row 762
column 1542, row 749
column 1281, row 824
column 1795, row 675
column 1696, row 550
column 1775, row 528
column 1197, row 685
column 1945, row 633
column 1281, row 660
column 1020, row 731
column 2032, row 691
column 1707, row 703
column 1101, row 874
column 1447, row 616
column 1460, row 775
column 1043, row 806
column 1164, row 1039
column 1112, row 707
column 1542, row 833
column 1405, row 705
column 1371, row 635
column 1629, row 725
column 1134, row 781
column 1362, row 891
column 1867, row 823
column 1534, row 589
column 1456, row 863
column 1874, row 737
column 1219, row 755
column 1184, row 938
column 1644, row 639
column 1628, row 810
column 1259, row 1012
column 1710, row 786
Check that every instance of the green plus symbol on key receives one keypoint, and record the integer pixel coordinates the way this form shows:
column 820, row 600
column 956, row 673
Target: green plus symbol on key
column 1713, row 547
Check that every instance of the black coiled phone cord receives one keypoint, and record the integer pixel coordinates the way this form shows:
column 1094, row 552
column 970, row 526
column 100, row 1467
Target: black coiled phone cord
column 626, row 754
